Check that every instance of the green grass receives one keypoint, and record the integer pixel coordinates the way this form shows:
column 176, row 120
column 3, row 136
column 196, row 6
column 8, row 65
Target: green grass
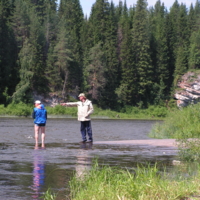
column 49, row 195
column 179, row 124
column 128, row 112
column 20, row 109
column 141, row 183
column 182, row 125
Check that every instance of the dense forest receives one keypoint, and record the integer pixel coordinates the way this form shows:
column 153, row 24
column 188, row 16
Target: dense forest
column 118, row 55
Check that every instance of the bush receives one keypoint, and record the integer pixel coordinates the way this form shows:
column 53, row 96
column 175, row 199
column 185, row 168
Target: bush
column 157, row 111
column 20, row 109
column 61, row 110
column 2, row 110
column 182, row 124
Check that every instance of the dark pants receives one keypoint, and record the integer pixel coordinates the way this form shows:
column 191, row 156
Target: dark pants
column 86, row 128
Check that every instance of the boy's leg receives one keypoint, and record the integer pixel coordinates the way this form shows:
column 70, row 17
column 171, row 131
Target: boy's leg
column 36, row 128
column 89, row 130
column 83, row 131
column 42, row 134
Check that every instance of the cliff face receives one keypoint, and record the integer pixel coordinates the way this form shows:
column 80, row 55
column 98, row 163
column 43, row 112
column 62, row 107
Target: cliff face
column 188, row 91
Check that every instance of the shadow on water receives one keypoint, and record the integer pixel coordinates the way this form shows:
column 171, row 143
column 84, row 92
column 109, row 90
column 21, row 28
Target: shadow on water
column 26, row 172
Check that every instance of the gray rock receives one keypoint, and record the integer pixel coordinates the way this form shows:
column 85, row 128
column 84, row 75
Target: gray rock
column 188, row 89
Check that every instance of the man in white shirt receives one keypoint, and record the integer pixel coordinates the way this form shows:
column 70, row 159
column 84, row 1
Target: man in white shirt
column 85, row 108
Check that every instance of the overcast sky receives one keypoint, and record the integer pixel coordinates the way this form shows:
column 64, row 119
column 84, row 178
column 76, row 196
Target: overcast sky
column 87, row 4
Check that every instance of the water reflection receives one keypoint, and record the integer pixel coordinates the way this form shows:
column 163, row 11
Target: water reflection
column 83, row 163
column 38, row 172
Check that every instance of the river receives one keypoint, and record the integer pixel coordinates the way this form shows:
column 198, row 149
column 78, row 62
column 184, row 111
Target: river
column 26, row 172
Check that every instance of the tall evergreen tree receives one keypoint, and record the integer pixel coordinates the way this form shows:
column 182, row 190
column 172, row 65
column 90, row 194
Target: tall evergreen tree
column 94, row 72
column 141, row 52
column 160, row 52
column 98, row 21
column 63, row 57
column 182, row 43
column 194, row 50
column 71, row 12
column 24, row 88
column 126, row 91
column 8, row 52
column 35, row 42
column 112, row 71
column 191, row 19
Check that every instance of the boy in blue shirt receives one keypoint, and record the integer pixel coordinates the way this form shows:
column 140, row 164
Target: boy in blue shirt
column 40, row 117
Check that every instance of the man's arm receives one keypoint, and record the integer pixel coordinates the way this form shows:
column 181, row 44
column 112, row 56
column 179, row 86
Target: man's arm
column 91, row 109
column 70, row 104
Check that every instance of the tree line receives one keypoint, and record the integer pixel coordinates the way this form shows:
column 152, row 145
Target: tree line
column 118, row 56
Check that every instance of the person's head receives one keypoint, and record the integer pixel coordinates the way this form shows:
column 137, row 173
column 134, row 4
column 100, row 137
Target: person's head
column 37, row 102
column 82, row 97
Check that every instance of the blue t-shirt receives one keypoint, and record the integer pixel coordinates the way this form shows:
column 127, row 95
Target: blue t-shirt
column 40, row 115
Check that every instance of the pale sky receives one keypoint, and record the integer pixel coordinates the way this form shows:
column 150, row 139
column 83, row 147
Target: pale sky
column 87, row 4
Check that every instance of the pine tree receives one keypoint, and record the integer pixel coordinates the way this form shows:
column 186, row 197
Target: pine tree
column 94, row 72
column 71, row 12
column 141, row 52
column 8, row 52
column 112, row 69
column 34, row 41
column 182, row 43
column 126, row 91
column 194, row 50
column 191, row 19
column 24, row 88
column 98, row 22
column 160, row 52
column 63, row 57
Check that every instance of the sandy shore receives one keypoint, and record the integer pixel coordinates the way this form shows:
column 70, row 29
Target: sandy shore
column 151, row 142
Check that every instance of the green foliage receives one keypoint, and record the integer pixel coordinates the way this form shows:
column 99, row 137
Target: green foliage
column 194, row 61
column 49, row 195
column 143, row 182
column 60, row 110
column 182, row 125
column 8, row 51
column 94, row 71
column 157, row 111
column 20, row 109
column 141, row 50
column 128, row 112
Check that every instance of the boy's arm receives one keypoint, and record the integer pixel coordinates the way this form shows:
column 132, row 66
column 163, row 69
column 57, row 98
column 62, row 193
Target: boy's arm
column 33, row 114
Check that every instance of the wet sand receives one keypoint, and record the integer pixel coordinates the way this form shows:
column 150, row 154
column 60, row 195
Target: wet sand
column 151, row 142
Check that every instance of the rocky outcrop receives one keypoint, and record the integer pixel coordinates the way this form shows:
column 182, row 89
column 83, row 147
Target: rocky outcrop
column 188, row 91
column 48, row 100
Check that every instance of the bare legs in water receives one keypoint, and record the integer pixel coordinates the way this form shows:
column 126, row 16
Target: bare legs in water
column 39, row 129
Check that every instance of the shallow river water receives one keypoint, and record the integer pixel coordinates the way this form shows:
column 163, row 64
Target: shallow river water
column 25, row 172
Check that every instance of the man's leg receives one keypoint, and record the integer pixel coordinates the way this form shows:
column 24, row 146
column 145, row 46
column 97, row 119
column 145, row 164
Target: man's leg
column 83, row 131
column 36, row 128
column 89, row 130
column 42, row 135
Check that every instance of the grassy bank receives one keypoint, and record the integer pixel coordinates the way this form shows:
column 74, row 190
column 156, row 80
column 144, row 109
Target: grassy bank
column 153, row 112
column 142, row 183
column 183, row 125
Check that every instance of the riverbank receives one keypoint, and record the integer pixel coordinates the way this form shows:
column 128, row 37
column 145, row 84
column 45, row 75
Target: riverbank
column 143, row 182
column 25, row 110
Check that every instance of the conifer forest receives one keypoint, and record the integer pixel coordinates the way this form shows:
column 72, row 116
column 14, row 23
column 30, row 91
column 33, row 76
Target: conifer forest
column 118, row 55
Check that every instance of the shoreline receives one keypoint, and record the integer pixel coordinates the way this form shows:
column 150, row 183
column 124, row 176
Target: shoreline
column 92, row 118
